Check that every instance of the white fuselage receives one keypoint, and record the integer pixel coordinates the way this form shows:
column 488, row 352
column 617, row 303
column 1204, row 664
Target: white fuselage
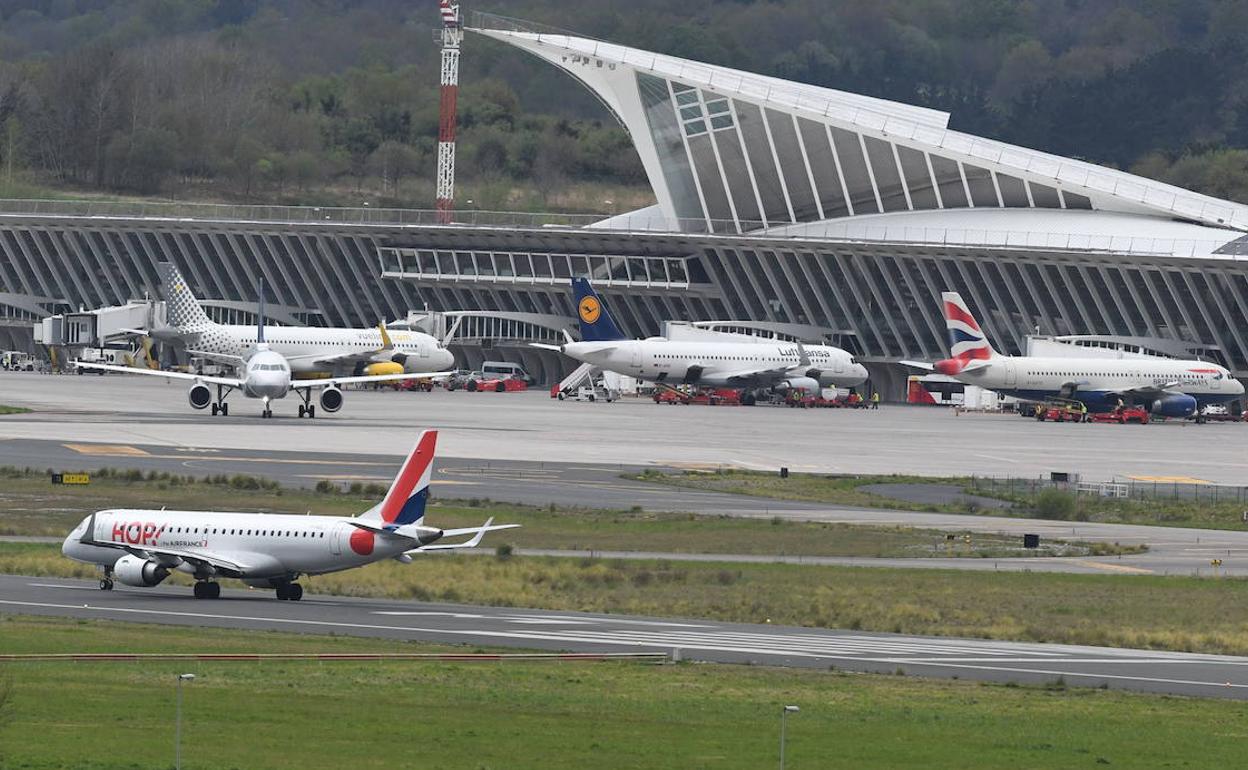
column 1101, row 379
column 302, row 346
column 719, row 363
column 269, row 546
column 265, row 375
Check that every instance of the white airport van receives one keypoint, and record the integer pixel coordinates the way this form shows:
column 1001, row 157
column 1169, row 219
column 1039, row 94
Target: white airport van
column 504, row 369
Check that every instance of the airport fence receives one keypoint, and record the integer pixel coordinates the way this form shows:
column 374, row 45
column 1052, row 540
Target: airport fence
column 1134, row 489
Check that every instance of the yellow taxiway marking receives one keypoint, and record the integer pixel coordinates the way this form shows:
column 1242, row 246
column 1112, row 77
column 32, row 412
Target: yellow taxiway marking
column 1116, row 567
column 109, row 450
column 1170, row 479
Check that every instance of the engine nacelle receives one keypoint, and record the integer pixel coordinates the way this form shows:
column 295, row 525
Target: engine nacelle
column 200, row 396
column 809, row 385
column 331, row 399
column 141, row 573
column 1175, row 405
column 384, row 367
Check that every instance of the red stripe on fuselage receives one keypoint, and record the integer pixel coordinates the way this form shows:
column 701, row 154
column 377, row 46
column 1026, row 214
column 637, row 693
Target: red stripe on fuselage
column 409, row 477
column 955, row 313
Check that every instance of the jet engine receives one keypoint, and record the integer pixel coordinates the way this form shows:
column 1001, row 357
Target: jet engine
column 141, row 573
column 807, row 384
column 200, row 396
column 1175, row 405
column 384, row 367
column 331, row 399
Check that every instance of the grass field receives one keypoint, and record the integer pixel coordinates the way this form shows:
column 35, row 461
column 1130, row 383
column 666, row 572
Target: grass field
column 515, row 716
column 1028, row 502
column 1171, row 613
column 31, row 505
column 13, row 409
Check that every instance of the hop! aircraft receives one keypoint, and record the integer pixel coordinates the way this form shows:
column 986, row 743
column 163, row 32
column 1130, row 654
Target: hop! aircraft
column 143, row 547
column 1165, row 386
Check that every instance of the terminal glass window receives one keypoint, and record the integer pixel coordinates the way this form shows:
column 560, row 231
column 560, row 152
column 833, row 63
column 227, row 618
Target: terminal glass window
column 983, row 191
column 854, row 166
column 949, row 180
column 887, row 180
column 761, row 161
column 918, row 180
column 792, row 165
column 823, row 167
column 665, row 134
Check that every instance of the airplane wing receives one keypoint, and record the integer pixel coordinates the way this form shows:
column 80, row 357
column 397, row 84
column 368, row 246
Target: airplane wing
column 220, row 358
column 477, row 532
column 227, row 381
column 544, row 346
column 1147, row 391
column 744, row 377
column 364, row 379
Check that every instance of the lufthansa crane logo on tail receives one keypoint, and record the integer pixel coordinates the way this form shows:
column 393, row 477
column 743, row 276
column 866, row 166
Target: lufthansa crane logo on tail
column 590, row 309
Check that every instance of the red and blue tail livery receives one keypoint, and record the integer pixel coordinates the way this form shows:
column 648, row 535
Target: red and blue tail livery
column 405, row 502
column 967, row 342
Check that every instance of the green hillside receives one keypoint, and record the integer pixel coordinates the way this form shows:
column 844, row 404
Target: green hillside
column 335, row 101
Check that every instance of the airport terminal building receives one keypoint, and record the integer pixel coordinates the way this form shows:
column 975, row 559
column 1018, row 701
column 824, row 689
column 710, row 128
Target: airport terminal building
column 789, row 209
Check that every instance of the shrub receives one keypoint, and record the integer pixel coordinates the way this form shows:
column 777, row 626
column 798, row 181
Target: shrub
column 504, row 551
column 1055, row 504
column 326, row 487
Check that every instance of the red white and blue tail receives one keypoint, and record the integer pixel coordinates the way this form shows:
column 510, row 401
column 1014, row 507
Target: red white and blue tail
column 404, row 504
column 967, row 342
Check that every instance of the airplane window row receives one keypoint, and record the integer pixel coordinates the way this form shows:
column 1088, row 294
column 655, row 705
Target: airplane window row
column 1187, row 377
column 258, row 532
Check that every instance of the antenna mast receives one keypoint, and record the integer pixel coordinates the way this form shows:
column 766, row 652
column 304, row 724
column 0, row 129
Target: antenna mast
column 452, row 36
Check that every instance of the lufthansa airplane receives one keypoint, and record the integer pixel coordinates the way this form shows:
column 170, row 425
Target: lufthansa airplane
column 143, row 547
column 749, row 365
column 1167, row 387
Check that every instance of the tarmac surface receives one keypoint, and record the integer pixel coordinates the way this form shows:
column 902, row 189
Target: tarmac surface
column 531, row 426
column 1144, row 671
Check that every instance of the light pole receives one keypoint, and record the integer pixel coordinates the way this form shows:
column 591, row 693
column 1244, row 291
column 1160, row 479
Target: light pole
column 784, row 713
column 177, row 731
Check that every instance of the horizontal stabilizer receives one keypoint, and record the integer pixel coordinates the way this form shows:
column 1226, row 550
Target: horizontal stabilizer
column 924, row 365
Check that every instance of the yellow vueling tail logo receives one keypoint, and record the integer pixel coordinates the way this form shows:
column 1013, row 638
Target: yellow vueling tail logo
column 590, row 309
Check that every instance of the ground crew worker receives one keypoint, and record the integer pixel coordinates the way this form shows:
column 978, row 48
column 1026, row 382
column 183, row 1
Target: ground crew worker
column 1083, row 412
column 875, row 399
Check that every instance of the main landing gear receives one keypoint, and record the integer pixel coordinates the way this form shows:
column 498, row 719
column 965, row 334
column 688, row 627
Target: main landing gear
column 291, row 592
column 206, row 589
column 219, row 407
column 106, row 582
column 307, row 409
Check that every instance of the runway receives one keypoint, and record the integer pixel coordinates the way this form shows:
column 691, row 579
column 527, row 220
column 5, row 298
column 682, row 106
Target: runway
column 1144, row 671
column 1172, row 550
column 531, row 426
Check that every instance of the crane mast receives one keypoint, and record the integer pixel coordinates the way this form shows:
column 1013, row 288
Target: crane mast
column 452, row 36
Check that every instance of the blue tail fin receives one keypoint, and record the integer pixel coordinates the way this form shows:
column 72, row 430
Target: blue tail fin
column 596, row 323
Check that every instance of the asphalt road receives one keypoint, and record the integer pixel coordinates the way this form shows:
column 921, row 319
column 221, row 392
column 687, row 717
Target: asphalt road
column 1172, row 550
column 1145, row 671
column 528, row 426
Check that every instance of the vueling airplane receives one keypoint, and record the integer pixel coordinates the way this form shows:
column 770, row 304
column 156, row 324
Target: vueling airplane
column 307, row 349
column 750, row 365
column 143, row 547
column 263, row 373
column 1168, row 387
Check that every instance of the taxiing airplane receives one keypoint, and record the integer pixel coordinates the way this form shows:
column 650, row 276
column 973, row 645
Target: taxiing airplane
column 752, row 366
column 307, row 349
column 143, row 547
column 265, row 374
column 1166, row 387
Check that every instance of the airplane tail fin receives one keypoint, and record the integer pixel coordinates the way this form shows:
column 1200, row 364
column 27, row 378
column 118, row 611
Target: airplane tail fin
column 597, row 325
column 183, row 311
column 967, row 342
column 404, row 503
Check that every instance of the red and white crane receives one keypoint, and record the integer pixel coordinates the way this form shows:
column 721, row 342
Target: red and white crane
column 452, row 36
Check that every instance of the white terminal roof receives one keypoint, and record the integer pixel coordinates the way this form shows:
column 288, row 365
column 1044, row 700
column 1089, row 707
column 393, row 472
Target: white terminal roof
column 884, row 167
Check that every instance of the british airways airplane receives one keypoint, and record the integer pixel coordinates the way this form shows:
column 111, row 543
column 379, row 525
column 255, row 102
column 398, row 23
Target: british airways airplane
column 1166, row 387
column 142, row 547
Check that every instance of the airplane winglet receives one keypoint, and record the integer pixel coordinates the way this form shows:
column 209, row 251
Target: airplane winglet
column 386, row 344
column 802, row 358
